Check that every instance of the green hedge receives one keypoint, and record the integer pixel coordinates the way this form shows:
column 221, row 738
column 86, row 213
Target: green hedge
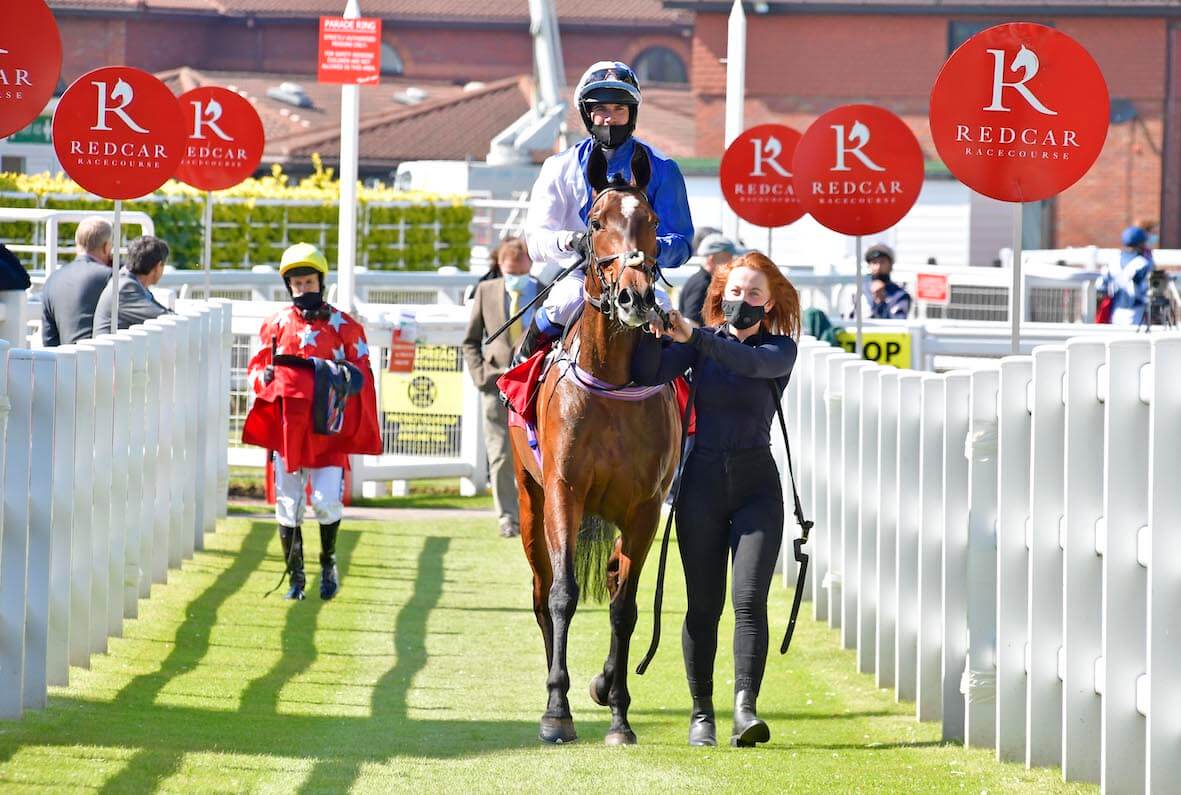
column 396, row 230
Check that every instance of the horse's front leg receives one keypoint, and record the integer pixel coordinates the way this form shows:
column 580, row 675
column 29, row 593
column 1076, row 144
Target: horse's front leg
column 636, row 538
column 563, row 515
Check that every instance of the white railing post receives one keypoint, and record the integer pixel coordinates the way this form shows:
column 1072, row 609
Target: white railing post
column 1012, row 555
column 85, row 525
column 34, row 690
column 851, row 496
column 1125, row 581
column 215, row 442
column 1164, row 572
column 57, row 666
column 472, row 442
column 980, row 691
column 929, row 698
column 135, row 571
column 822, row 548
column 837, row 472
column 225, row 352
column 99, row 505
column 169, row 499
column 187, row 363
column 14, row 541
column 955, row 552
column 120, row 461
column 867, row 518
column 1082, row 628
column 1046, row 484
column 908, row 508
column 887, row 529
column 150, row 413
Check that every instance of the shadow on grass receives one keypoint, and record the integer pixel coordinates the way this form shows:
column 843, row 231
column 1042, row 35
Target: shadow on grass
column 339, row 746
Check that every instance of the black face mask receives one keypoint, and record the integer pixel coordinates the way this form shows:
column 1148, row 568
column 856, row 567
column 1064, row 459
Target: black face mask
column 611, row 136
column 308, row 303
column 742, row 315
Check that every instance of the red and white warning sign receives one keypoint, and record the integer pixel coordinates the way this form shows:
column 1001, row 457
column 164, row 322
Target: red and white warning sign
column 933, row 288
column 350, row 51
column 118, row 132
column 30, row 62
column 756, row 176
column 858, row 169
column 225, row 138
column 1019, row 112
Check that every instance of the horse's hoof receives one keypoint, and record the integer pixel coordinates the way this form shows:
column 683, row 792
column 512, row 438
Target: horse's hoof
column 557, row 730
column 600, row 688
column 627, row 737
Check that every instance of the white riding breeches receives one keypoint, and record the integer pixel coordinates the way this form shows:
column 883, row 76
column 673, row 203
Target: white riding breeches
column 566, row 296
column 290, row 487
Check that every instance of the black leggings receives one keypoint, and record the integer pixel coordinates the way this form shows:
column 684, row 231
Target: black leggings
column 729, row 501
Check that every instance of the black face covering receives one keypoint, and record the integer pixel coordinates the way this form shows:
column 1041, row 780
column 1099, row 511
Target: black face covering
column 611, row 136
column 310, row 304
column 742, row 315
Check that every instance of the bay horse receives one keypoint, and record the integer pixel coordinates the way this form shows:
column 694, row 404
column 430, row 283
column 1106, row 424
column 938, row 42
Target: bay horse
column 607, row 461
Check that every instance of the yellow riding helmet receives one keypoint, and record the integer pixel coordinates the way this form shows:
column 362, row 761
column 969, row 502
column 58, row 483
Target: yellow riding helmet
column 303, row 255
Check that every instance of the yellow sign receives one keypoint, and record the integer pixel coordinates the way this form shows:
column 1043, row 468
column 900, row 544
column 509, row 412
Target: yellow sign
column 422, row 393
column 884, row 347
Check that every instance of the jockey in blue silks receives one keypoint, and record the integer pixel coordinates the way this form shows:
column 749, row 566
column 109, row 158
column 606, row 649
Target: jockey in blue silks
column 608, row 99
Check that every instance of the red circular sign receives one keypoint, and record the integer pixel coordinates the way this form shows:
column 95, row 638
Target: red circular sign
column 225, row 138
column 1019, row 112
column 858, row 169
column 756, row 176
column 30, row 62
column 118, row 132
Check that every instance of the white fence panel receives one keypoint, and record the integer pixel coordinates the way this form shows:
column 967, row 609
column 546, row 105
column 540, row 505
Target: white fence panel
column 820, row 567
column 104, row 421
column 1046, row 485
column 81, row 544
column 850, row 498
column 62, row 520
column 957, row 397
column 867, row 519
column 134, row 404
column 40, row 532
column 834, row 409
column 929, row 697
column 120, row 461
column 887, row 528
column 908, row 510
column 14, row 541
column 1125, row 580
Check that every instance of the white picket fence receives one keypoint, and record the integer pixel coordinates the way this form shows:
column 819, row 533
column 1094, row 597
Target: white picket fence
column 114, row 467
column 1003, row 546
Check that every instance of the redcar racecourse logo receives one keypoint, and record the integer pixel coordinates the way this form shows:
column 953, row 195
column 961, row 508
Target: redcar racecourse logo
column 1028, row 141
column 113, row 107
column 766, row 157
column 850, row 148
column 13, row 78
column 206, row 116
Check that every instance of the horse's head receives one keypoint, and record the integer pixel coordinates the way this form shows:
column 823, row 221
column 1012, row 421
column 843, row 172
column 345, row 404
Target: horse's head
column 622, row 242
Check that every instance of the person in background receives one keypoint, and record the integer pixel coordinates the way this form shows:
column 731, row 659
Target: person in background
column 715, row 250
column 145, row 267
column 497, row 300
column 469, row 293
column 13, row 275
column 885, row 300
column 1126, row 284
column 71, row 294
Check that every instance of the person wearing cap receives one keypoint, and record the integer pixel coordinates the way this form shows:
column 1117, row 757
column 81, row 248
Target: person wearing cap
column 608, row 100
column 715, row 250
column 314, row 405
column 885, row 299
column 1126, row 283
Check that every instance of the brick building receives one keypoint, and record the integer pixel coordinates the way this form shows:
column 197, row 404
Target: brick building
column 807, row 56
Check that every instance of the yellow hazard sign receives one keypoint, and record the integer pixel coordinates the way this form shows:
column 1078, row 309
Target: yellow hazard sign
column 884, row 347
column 422, row 393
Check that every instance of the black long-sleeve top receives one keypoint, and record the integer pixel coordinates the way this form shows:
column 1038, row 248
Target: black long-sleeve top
column 735, row 406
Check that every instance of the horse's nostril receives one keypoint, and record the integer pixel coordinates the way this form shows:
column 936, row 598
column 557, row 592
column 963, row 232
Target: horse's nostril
column 625, row 298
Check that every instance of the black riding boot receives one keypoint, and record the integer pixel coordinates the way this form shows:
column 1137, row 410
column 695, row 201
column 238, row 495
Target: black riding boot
column 329, row 576
column 702, row 729
column 292, row 540
column 748, row 728
column 533, row 340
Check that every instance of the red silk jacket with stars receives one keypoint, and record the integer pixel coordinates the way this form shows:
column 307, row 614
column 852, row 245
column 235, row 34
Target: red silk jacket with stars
column 281, row 417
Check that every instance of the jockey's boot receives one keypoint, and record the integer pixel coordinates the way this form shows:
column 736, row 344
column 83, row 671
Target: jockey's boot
column 748, row 728
column 533, row 340
column 292, row 540
column 329, row 576
column 702, row 729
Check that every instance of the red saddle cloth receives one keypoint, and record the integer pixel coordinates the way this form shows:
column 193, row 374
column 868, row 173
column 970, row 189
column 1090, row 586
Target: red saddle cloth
column 521, row 384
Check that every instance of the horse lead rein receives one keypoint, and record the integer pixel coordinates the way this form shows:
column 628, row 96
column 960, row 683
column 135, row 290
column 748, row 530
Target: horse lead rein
column 800, row 555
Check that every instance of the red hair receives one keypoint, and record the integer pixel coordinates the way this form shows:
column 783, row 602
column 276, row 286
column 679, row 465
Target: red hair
column 782, row 318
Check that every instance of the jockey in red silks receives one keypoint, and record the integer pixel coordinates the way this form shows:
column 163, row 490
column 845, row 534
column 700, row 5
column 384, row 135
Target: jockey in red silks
column 608, row 99
column 314, row 405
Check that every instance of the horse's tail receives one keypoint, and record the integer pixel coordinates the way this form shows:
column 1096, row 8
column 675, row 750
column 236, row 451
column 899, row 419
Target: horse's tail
column 596, row 540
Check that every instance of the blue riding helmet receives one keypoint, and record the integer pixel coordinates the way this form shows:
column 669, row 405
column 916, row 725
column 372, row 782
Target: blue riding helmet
column 610, row 83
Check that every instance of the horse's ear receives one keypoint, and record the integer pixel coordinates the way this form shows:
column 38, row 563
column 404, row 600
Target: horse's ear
column 641, row 167
column 596, row 170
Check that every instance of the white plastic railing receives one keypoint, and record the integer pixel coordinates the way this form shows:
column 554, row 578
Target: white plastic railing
column 1003, row 545
column 112, row 474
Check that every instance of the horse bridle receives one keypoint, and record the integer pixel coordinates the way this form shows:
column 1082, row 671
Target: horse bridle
column 609, row 289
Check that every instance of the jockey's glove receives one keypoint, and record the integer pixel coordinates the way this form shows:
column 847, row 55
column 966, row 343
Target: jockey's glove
column 572, row 241
column 268, row 374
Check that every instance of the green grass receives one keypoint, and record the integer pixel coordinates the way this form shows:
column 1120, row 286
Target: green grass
column 427, row 673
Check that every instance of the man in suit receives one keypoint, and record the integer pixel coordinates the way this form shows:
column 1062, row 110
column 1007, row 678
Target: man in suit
column 145, row 267
column 497, row 300
column 71, row 293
